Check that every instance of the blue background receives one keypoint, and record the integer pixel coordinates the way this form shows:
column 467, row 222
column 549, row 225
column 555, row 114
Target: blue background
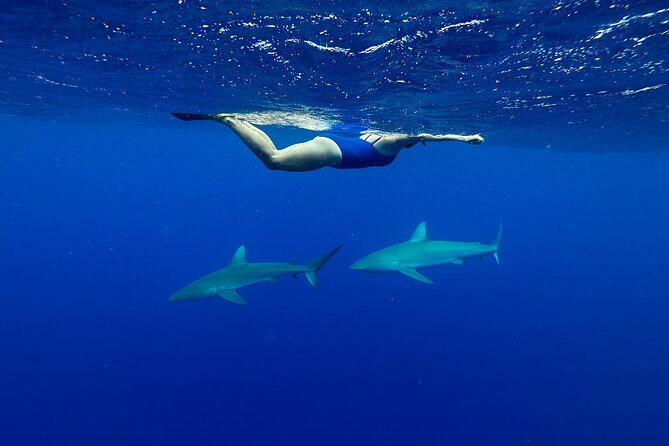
column 565, row 342
column 108, row 205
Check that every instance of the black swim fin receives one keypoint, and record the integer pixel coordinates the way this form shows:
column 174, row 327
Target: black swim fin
column 194, row 116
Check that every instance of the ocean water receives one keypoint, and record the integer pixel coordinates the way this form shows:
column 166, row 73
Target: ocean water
column 108, row 205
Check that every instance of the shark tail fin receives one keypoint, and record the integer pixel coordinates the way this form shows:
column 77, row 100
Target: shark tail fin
column 313, row 267
column 496, row 242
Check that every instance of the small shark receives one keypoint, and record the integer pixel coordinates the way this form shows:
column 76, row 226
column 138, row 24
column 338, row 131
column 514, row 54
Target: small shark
column 421, row 252
column 240, row 273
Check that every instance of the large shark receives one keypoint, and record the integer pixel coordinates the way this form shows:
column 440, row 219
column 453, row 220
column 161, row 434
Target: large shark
column 240, row 273
column 421, row 252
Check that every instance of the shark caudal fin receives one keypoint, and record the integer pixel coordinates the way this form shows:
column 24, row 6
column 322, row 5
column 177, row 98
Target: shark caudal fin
column 496, row 242
column 316, row 265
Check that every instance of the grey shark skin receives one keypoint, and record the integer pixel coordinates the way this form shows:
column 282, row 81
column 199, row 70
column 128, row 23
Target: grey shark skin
column 421, row 252
column 240, row 273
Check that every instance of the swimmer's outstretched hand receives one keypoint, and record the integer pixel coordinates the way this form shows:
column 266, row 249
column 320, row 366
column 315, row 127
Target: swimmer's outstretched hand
column 473, row 139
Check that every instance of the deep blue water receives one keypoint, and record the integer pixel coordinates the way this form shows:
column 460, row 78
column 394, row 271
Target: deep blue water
column 108, row 206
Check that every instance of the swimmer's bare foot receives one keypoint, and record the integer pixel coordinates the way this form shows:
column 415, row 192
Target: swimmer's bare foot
column 473, row 139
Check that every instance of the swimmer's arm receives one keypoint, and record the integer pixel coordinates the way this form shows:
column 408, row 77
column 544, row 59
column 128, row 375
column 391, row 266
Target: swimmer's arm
column 471, row 139
column 391, row 144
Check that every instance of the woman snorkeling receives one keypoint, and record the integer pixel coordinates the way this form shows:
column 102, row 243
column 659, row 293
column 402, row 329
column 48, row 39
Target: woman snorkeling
column 367, row 150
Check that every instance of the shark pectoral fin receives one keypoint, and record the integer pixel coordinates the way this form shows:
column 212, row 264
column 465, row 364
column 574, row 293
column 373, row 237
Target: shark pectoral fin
column 458, row 262
column 415, row 275
column 232, row 296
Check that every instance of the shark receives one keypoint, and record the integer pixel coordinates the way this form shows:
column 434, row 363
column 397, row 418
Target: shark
column 421, row 252
column 225, row 282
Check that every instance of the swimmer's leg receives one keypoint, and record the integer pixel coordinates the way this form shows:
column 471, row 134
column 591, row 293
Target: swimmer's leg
column 311, row 155
column 254, row 138
column 259, row 133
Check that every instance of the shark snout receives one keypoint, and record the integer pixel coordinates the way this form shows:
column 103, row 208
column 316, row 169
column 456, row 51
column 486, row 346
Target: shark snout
column 179, row 296
column 360, row 265
column 364, row 264
column 174, row 298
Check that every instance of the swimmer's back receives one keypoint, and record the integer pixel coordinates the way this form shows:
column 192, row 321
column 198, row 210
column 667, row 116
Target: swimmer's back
column 357, row 153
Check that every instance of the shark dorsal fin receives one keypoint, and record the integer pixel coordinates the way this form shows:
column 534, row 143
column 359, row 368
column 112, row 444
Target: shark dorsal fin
column 420, row 234
column 239, row 257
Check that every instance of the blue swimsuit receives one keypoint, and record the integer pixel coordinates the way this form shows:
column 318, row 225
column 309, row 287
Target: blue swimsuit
column 357, row 153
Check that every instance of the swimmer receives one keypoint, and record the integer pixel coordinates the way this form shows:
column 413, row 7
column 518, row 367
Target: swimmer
column 367, row 150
